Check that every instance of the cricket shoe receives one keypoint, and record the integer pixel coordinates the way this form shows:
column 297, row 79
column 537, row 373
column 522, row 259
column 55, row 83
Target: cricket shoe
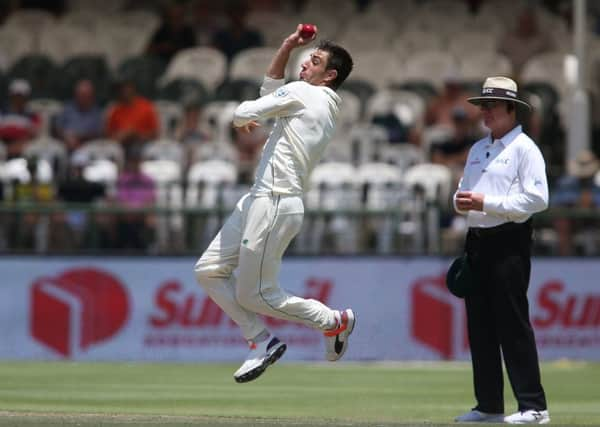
column 531, row 416
column 261, row 355
column 475, row 416
column 336, row 340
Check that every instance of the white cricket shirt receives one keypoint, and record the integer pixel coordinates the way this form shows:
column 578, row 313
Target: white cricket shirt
column 511, row 173
column 305, row 123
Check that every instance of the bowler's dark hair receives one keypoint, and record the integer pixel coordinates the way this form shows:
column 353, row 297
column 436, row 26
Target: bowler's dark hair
column 339, row 60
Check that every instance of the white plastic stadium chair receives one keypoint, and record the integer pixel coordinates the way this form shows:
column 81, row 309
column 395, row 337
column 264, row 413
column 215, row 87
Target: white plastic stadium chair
column 102, row 171
column 47, row 109
column 385, row 191
column 62, row 42
column 434, row 179
column 474, row 65
column 350, row 111
column 334, row 187
column 15, row 170
column 117, row 42
column 366, row 141
column 469, row 42
column 250, row 63
column 548, row 68
column 167, row 176
column 50, row 150
column 169, row 114
column 376, row 66
column 208, row 185
column 417, row 40
column 97, row 7
column 428, row 66
column 434, row 182
column 365, row 40
column 218, row 116
column 407, row 106
column 32, row 20
column 402, row 156
column 205, row 64
column 164, row 149
column 101, row 149
column 14, row 43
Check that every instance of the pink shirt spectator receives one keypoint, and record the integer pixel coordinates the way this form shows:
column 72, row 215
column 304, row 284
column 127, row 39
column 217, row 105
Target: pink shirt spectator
column 135, row 190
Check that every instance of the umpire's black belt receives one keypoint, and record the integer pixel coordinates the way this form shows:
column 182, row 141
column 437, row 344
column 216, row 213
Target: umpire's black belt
column 502, row 229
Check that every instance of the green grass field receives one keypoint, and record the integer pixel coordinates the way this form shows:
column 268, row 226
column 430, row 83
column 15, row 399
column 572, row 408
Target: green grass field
column 343, row 394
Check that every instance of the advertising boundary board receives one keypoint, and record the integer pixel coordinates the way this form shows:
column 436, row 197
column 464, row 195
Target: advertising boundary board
column 151, row 309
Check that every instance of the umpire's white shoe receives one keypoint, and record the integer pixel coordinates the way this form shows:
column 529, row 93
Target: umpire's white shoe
column 336, row 340
column 475, row 416
column 260, row 357
column 531, row 416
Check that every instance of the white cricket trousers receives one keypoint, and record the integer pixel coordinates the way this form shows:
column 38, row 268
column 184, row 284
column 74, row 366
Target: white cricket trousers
column 253, row 240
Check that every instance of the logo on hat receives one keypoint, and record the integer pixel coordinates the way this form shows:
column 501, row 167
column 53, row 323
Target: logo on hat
column 76, row 309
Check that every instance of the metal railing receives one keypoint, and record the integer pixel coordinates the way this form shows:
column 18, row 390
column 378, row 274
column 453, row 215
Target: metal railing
column 412, row 228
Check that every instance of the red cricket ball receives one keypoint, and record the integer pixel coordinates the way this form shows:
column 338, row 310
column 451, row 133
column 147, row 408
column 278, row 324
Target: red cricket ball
column 307, row 31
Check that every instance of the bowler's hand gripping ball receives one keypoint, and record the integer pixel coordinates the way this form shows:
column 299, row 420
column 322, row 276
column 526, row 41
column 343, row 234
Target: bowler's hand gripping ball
column 307, row 31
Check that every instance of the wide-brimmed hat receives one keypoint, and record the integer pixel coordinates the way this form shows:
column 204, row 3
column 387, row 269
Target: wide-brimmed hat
column 584, row 165
column 460, row 278
column 501, row 88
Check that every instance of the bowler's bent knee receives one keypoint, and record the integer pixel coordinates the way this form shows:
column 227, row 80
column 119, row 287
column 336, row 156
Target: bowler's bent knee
column 206, row 272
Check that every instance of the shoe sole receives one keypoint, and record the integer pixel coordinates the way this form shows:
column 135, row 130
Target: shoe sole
column 258, row 371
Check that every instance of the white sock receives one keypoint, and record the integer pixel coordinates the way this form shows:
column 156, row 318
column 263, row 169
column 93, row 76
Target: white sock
column 263, row 336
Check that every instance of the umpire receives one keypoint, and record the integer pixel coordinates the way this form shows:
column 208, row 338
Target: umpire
column 503, row 185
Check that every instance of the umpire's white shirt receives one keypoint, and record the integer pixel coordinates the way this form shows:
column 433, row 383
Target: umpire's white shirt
column 511, row 173
column 306, row 116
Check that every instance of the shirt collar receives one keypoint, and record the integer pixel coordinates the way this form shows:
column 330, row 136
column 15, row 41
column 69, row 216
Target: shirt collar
column 509, row 137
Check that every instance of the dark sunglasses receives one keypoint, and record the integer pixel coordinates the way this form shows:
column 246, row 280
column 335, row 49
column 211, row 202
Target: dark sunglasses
column 488, row 105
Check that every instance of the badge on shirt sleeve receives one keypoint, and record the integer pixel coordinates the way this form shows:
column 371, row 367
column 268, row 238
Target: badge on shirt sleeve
column 281, row 92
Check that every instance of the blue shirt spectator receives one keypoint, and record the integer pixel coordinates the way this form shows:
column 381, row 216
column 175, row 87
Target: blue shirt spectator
column 81, row 120
column 578, row 189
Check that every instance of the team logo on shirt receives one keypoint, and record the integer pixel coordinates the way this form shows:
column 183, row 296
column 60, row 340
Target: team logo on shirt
column 281, row 92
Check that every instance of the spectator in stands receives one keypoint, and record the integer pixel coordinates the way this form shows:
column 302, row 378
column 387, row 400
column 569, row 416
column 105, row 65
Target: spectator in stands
column 456, row 122
column 132, row 118
column 188, row 130
column 236, row 36
column 173, row 35
column 134, row 189
column 525, row 41
column 578, row 189
column 197, row 142
column 70, row 227
column 17, row 123
column 81, row 119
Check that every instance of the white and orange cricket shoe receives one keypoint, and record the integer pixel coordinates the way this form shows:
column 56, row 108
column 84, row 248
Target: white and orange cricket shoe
column 336, row 340
column 260, row 357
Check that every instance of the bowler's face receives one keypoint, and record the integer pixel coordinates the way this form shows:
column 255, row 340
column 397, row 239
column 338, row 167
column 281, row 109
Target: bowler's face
column 313, row 69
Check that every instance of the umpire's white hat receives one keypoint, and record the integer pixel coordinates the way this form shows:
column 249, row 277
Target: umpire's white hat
column 501, row 88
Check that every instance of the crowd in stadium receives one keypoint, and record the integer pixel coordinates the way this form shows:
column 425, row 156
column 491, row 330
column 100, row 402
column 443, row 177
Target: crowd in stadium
column 128, row 104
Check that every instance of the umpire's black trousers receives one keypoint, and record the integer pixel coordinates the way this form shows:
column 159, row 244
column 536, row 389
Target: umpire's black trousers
column 498, row 317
